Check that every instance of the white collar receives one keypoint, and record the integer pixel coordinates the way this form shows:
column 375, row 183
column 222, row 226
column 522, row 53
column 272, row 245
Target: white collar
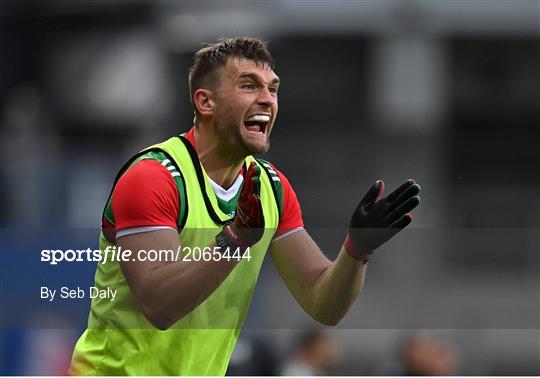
column 227, row 194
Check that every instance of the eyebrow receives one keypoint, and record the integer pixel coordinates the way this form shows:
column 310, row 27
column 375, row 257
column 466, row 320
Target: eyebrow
column 256, row 77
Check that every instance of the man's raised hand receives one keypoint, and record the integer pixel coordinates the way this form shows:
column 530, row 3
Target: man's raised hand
column 377, row 219
column 247, row 227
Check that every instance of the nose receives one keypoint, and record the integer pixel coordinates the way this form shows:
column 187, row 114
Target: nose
column 266, row 98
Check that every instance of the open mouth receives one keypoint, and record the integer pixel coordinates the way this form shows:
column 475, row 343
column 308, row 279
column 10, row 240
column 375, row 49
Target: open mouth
column 257, row 123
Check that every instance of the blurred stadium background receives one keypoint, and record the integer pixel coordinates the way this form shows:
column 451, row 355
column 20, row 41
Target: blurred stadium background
column 447, row 92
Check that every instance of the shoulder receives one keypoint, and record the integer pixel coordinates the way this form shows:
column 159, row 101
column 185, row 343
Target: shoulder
column 147, row 168
column 145, row 195
column 291, row 212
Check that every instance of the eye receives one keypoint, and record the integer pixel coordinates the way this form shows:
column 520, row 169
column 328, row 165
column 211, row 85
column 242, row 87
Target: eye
column 248, row 86
column 273, row 89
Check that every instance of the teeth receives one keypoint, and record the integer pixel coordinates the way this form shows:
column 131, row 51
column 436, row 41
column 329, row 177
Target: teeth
column 259, row 118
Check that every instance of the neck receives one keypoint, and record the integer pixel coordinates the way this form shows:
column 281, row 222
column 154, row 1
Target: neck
column 221, row 167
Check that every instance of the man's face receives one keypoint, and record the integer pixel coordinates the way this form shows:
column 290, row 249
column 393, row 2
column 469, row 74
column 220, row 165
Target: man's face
column 246, row 106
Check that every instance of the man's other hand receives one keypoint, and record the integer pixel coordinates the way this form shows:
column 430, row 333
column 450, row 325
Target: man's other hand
column 378, row 219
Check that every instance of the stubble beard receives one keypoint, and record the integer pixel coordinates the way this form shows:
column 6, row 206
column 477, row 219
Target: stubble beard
column 232, row 142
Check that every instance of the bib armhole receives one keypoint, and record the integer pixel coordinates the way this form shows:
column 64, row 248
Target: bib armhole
column 178, row 179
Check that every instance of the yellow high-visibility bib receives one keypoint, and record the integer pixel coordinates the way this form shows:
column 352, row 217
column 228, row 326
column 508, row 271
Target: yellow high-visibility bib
column 119, row 340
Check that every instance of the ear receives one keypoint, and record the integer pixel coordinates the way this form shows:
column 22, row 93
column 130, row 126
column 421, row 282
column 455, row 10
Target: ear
column 203, row 101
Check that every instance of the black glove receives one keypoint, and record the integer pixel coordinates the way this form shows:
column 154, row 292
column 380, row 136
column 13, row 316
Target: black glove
column 376, row 219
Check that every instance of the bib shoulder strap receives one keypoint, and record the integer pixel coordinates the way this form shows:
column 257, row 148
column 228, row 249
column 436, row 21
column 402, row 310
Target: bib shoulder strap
column 169, row 163
column 277, row 187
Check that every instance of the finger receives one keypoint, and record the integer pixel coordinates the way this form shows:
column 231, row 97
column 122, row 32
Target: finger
column 256, row 213
column 410, row 192
column 402, row 210
column 248, row 183
column 256, row 181
column 374, row 193
column 392, row 196
column 403, row 222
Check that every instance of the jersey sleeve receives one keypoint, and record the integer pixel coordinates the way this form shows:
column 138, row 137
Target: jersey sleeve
column 291, row 217
column 145, row 196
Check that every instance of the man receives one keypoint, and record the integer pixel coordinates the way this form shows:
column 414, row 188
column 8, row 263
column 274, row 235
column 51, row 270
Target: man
column 316, row 352
column 203, row 191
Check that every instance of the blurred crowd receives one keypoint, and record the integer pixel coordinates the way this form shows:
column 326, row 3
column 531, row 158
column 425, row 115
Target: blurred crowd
column 318, row 352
